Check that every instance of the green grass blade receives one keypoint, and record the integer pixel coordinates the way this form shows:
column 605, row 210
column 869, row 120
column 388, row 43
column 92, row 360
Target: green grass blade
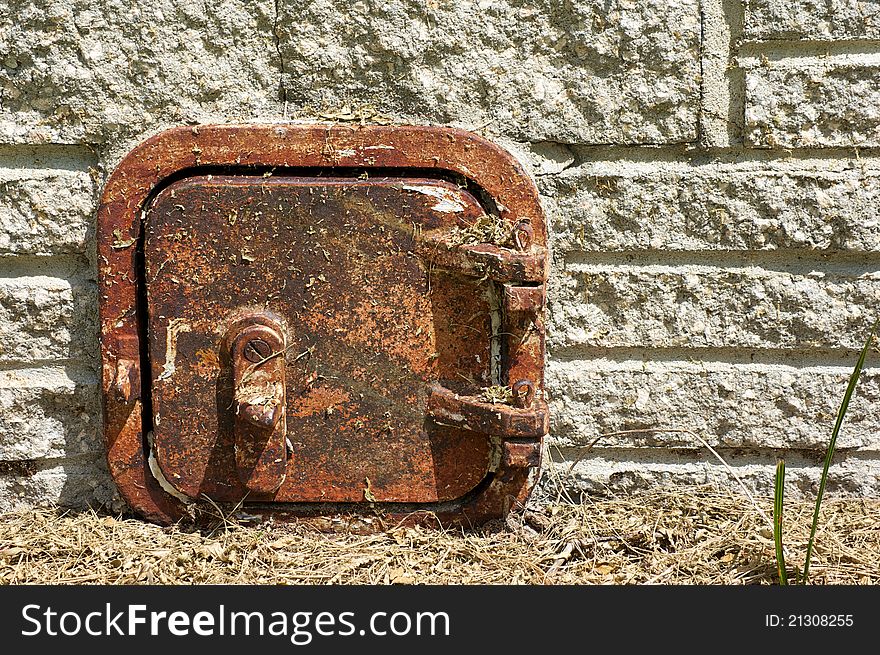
column 829, row 454
column 777, row 521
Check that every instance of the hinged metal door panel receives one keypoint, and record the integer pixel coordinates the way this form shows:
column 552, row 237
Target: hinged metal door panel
column 368, row 324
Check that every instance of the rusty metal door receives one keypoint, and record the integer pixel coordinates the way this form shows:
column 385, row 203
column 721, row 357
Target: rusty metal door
column 327, row 338
column 367, row 324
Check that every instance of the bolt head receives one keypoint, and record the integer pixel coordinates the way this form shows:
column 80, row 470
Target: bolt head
column 257, row 350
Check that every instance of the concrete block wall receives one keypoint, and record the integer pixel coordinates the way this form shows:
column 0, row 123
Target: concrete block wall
column 709, row 169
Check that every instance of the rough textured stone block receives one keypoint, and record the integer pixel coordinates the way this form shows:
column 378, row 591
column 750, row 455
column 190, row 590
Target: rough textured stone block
column 97, row 71
column 714, row 207
column 588, row 71
column 44, row 413
column 76, row 483
column 45, row 318
column 614, row 471
column 707, row 307
column 754, row 406
column 817, row 20
column 49, row 215
column 816, row 106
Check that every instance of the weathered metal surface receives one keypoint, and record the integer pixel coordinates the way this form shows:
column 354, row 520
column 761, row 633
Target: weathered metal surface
column 125, row 377
column 470, row 413
column 523, row 234
column 486, row 261
column 523, row 329
column 128, row 382
column 521, row 454
column 524, row 299
column 368, row 324
column 446, row 472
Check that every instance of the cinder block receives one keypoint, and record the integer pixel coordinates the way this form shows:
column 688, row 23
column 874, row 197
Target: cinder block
column 715, row 207
column 728, row 405
column 619, row 472
column 700, row 306
column 668, row 309
column 815, row 20
column 76, row 483
column 46, row 319
column 815, row 106
column 45, row 413
column 105, row 70
column 49, row 215
column 580, row 72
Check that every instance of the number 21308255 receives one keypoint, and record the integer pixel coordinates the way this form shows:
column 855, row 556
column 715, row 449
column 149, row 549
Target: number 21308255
column 808, row 620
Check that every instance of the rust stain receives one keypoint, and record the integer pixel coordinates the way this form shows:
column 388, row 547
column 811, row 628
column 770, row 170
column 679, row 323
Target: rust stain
column 408, row 324
column 319, row 401
column 207, row 363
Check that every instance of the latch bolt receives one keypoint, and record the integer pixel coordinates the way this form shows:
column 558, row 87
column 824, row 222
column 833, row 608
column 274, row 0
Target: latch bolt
column 256, row 352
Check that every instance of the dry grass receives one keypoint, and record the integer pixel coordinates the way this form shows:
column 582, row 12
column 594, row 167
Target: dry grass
column 666, row 536
column 486, row 229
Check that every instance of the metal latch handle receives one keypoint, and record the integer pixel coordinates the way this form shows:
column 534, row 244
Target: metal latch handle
column 256, row 351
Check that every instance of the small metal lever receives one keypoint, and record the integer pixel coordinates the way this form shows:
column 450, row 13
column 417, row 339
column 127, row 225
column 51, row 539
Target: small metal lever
column 256, row 350
column 472, row 413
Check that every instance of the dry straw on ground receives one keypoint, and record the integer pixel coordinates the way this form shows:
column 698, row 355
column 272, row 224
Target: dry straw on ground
column 664, row 536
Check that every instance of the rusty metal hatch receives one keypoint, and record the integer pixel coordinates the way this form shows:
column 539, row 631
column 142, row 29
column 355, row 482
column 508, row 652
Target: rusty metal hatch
column 323, row 321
